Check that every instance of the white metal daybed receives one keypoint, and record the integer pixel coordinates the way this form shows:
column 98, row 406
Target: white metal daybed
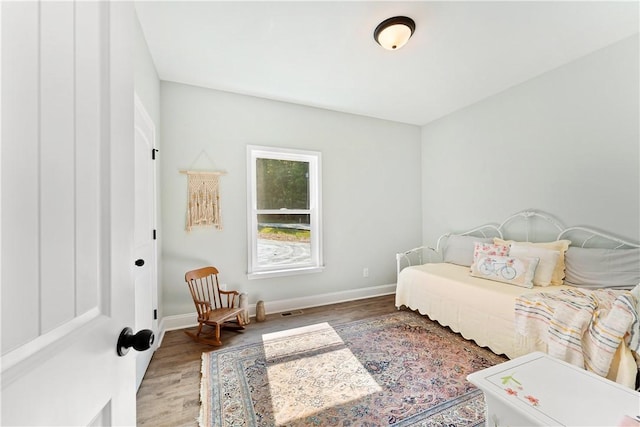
column 484, row 310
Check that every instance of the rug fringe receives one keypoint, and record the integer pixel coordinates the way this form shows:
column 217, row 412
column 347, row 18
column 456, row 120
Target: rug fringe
column 203, row 391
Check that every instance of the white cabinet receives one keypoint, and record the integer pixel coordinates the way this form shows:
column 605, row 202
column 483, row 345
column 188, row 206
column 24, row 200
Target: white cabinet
column 538, row 390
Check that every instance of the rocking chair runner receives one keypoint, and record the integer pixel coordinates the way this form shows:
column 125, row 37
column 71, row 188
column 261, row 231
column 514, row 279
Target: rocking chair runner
column 215, row 307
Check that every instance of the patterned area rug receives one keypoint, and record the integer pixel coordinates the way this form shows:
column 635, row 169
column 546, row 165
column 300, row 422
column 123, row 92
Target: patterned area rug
column 400, row 369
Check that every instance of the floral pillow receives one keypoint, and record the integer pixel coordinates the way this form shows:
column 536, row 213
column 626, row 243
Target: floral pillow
column 481, row 248
column 507, row 269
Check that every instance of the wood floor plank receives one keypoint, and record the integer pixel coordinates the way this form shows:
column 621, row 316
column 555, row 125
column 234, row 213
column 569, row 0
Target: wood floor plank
column 170, row 391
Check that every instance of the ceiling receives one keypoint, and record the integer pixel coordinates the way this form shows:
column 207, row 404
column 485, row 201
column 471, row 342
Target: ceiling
column 322, row 54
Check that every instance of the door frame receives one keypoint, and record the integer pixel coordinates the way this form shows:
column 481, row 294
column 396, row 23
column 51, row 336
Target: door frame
column 140, row 108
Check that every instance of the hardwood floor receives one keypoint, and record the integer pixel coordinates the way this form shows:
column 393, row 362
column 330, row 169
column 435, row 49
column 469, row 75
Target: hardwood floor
column 170, row 391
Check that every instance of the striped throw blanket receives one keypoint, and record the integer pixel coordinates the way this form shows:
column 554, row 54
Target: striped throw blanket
column 582, row 327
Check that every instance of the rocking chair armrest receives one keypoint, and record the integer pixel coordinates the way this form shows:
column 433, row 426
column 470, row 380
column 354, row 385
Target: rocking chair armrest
column 202, row 307
column 232, row 298
column 205, row 303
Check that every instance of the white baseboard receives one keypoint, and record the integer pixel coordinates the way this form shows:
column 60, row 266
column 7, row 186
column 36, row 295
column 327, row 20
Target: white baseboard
column 181, row 321
column 325, row 299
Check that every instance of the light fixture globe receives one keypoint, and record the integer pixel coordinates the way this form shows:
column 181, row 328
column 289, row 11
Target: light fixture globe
column 393, row 33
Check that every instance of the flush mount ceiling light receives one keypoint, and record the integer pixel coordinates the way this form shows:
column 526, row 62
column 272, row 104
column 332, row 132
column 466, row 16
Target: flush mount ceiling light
column 393, row 33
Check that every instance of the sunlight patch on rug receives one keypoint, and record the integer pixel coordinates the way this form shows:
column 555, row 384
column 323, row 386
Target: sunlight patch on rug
column 310, row 370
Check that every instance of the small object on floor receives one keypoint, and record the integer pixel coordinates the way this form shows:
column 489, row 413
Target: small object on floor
column 260, row 314
column 244, row 304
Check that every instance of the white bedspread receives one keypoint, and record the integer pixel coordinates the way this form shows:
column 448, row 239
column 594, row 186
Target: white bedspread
column 478, row 309
column 482, row 310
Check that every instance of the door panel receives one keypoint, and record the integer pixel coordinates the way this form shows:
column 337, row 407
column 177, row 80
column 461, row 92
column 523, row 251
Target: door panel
column 56, row 175
column 67, row 212
column 19, row 184
column 88, row 88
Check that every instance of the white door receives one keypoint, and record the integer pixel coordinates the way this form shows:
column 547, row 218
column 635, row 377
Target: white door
column 144, row 235
column 67, row 172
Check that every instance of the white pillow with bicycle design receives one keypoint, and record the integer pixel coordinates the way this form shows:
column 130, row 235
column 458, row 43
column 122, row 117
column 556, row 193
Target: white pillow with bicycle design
column 507, row 269
column 492, row 262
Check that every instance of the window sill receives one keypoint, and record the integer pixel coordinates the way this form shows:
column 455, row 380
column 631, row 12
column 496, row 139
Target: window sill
column 288, row 272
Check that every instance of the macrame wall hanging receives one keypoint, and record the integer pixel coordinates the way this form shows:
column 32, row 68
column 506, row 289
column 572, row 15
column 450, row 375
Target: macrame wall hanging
column 203, row 199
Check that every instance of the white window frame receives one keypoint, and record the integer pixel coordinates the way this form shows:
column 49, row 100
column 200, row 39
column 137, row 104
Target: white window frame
column 314, row 158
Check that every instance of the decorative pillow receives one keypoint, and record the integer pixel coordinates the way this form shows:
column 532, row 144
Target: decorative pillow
column 507, row 269
column 481, row 248
column 603, row 268
column 459, row 249
column 546, row 266
column 559, row 245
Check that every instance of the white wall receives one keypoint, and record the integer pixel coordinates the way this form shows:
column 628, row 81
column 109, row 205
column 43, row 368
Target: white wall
column 147, row 83
column 566, row 142
column 371, row 190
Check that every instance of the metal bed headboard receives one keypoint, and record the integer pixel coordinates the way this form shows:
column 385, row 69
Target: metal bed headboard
column 536, row 224
column 585, row 237
column 538, row 227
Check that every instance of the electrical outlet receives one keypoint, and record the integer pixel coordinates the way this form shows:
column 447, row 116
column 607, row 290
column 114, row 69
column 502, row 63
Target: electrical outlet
column 365, row 272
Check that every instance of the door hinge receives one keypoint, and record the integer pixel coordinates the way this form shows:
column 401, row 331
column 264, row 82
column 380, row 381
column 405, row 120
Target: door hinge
column 155, row 314
column 154, row 235
column 153, row 153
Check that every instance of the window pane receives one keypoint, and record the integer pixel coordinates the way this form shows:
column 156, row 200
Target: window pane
column 284, row 240
column 282, row 184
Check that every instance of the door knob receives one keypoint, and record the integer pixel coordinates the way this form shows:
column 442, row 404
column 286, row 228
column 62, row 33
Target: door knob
column 140, row 341
column 139, row 262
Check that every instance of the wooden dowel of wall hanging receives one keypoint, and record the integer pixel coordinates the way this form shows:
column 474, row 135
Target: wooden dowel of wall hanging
column 186, row 172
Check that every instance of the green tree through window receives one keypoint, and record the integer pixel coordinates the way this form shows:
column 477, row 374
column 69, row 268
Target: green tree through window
column 284, row 218
column 282, row 184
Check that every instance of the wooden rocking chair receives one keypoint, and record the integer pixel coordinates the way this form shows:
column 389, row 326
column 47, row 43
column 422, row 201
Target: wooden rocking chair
column 215, row 307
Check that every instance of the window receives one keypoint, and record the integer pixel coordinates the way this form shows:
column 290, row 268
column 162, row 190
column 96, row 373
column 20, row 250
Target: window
column 284, row 212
